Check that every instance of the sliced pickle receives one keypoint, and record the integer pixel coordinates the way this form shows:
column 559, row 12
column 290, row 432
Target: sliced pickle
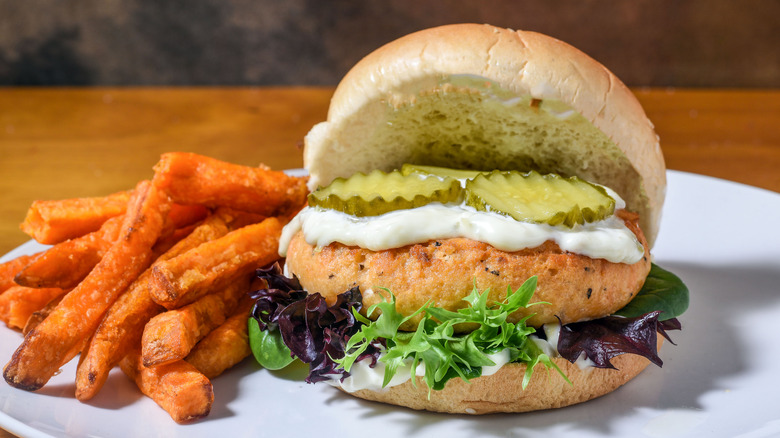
column 379, row 192
column 409, row 169
column 531, row 197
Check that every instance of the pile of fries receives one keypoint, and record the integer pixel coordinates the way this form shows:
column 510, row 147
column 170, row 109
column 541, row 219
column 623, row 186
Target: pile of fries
column 154, row 280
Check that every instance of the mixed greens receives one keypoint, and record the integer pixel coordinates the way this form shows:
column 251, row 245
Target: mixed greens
column 444, row 353
column 287, row 323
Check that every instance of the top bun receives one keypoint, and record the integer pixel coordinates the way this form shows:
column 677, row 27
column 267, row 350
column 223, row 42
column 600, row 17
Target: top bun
column 481, row 97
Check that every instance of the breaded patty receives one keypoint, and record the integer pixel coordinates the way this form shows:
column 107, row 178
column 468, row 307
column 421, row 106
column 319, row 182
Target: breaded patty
column 444, row 271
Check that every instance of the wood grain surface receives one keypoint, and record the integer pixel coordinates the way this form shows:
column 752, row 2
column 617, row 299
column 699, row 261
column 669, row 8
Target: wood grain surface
column 64, row 143
column 73, row 142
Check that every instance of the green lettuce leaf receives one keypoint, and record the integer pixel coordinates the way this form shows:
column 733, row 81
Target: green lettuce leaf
column 268, row 347
column 662, row 291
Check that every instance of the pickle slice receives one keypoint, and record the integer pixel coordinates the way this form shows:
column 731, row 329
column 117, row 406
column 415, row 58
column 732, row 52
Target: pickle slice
column 379, row 192
column 532, row 197
column 408, row 169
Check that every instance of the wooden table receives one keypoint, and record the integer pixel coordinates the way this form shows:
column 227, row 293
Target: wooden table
column 60, row 143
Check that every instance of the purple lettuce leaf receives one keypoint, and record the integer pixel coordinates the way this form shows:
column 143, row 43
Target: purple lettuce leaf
column 602, row 339
column 273, row 292
column 669, row 324
column 315, row 332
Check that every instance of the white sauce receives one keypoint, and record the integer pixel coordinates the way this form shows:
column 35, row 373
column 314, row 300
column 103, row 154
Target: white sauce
column 608, row 239
column 362, row 376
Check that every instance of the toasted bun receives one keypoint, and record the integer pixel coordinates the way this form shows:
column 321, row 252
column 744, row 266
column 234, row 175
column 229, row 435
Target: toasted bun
column 503, row 391
column 481, row 97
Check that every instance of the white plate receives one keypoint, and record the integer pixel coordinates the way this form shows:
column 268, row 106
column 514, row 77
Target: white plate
column 721, row 379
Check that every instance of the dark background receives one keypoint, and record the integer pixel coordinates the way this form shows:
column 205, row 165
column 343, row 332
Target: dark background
column 676, row 43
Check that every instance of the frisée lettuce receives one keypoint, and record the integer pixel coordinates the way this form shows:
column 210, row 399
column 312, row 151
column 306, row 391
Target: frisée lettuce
column 435, row 344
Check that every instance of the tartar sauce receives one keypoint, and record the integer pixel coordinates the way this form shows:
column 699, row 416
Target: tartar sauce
column 607, row 239
column 362, row 376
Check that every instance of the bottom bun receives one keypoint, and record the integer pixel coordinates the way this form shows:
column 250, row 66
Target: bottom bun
column 503, row 391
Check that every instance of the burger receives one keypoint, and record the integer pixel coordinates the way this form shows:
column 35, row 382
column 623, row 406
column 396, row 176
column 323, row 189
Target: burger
column 477, row 239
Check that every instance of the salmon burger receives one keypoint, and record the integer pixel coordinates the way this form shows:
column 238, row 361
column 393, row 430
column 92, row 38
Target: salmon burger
column 477, row 239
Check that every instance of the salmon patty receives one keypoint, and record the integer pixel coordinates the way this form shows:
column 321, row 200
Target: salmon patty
column 572, row 287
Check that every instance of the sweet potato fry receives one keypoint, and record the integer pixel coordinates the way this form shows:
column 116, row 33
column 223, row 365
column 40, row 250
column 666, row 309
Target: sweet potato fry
column 171, row 335
column 122, row 327
column 183, row 215
column 9, row 269
column 165, row 243
column 45, row 349
column 65, row 264
column 195, row 179
column 52, row 222
column 189, row 276
column 225, row 346
column 239, row 219
column 19, row 302
column 231, row 219
column 41, row 314
column 179, row 388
